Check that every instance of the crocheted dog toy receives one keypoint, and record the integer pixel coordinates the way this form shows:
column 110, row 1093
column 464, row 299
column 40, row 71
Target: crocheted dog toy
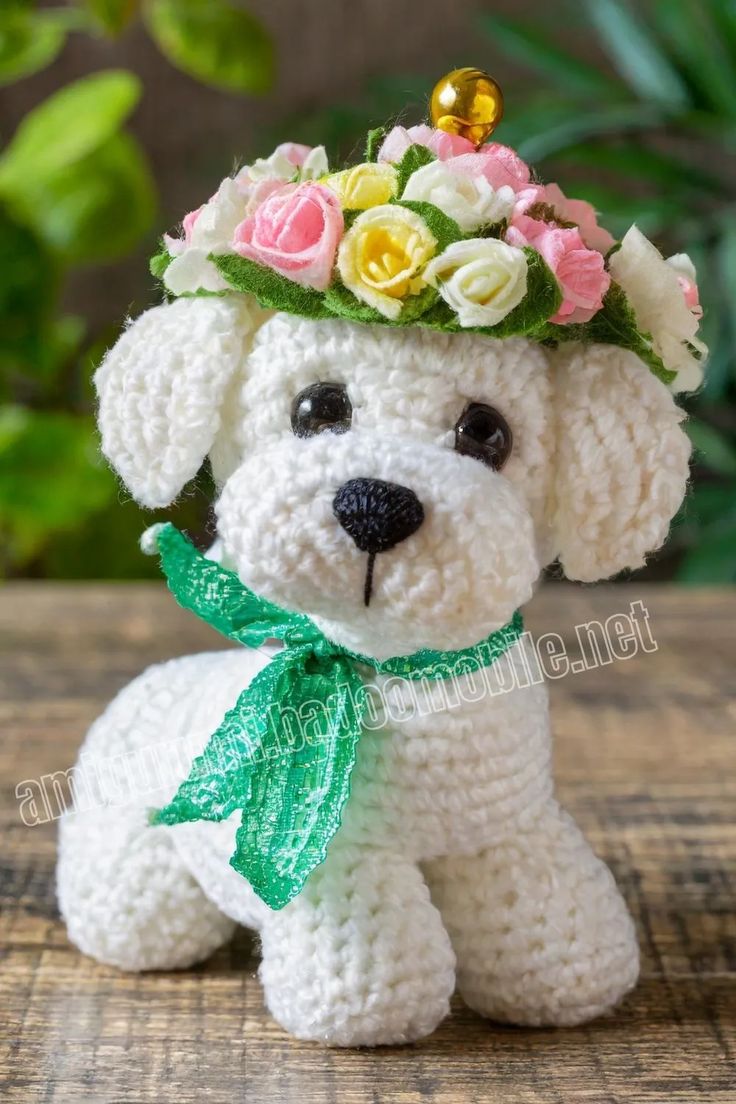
column 418, row 380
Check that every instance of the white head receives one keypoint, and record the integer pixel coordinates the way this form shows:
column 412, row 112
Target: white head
column 401, row 471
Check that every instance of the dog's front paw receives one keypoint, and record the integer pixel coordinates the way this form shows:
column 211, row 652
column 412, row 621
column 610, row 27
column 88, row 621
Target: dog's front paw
column 360, row 957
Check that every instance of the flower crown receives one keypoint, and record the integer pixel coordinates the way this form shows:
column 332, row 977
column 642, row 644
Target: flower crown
column 438, row 227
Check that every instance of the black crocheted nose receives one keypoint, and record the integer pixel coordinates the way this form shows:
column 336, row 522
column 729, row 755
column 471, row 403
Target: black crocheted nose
column 377, row 515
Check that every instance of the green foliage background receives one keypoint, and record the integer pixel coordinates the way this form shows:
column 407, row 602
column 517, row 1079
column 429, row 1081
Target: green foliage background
column 650, row 137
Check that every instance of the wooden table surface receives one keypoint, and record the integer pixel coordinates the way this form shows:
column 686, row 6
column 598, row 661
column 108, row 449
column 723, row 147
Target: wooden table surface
column 645, row 759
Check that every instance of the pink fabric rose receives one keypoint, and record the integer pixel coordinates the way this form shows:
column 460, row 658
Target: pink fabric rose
column 498, row 164
column 187, row 223
column 527, row 197
column 442, row 144
column 295, row 232
column 691, row 293
column 258, row 192
column 176, row 246
column 582, row 214
column 579, row 271
column 569, row 210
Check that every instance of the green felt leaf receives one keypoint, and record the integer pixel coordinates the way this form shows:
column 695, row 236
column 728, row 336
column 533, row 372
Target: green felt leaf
column 67, row 127
column 445, row 229
column 349, row 216
column 214, row 41
column 373, row 141
column 159, row 263
column 269, row 288
column 29, row 41
column 342, row 303
column 615, row 324
column 415, row 157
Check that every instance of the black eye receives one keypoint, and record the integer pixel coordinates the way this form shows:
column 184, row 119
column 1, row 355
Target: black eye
column 321, row 407
column 483, row 433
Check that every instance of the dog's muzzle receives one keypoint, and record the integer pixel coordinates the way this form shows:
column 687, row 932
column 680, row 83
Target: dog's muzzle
column 378, row 516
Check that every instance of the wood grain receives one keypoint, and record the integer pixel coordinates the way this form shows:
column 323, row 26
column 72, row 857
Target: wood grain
column 645, row 756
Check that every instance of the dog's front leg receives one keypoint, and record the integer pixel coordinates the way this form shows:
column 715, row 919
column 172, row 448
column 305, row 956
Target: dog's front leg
column 540, row 930
column 360, row 957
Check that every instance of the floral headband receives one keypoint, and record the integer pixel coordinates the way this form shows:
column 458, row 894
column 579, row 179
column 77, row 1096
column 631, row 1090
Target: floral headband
column 438, row 227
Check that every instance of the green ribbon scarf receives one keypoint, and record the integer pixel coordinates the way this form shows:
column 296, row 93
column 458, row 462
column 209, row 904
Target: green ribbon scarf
column 285, row 752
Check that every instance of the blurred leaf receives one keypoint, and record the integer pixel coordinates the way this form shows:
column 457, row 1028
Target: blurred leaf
column 712, row 504
column 715, row 327
column 214, row 41
column 637, row 55
column 28, row 42
column 28, row 282
column 557, row 127
column 636, row 161
column 535, row 50
column 714, row 449
column 699, row 47
column 67, row 127
column 113, row 16
column 107, row 546
column 51, row 479
column 713, row 561
column 726, row 257
column 97, row 209
column 13, row 424
column 724, row 16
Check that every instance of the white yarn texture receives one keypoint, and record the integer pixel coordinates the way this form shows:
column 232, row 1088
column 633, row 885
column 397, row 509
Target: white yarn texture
column 454, row 863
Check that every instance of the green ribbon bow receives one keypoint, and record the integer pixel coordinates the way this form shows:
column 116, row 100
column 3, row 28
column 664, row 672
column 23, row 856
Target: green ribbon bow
column 285, row 752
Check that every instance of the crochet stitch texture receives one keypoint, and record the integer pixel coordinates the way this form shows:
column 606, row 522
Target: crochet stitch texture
column 421, row 289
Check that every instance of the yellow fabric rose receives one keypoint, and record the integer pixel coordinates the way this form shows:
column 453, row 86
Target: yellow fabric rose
column 364, row 186
column 383, row 255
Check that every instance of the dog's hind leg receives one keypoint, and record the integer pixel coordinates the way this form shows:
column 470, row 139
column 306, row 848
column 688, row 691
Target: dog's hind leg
column 541, row 932
column 125, row 891
column 127, row 897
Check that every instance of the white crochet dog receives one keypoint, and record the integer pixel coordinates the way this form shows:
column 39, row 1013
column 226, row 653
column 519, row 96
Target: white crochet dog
column 454, row 862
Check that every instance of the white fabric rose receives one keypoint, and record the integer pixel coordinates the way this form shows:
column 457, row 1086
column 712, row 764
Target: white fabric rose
column 212, row 232
column 682, row 265
column 285, row 161
column 652, row 287
column 470, row 200
column 482, row 279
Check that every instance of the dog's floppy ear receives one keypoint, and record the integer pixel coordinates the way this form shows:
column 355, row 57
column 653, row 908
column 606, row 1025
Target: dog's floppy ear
column 160, row 390
column 621, row 461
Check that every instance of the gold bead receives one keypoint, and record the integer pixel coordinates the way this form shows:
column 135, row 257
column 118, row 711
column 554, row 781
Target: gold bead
column 467, row 102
